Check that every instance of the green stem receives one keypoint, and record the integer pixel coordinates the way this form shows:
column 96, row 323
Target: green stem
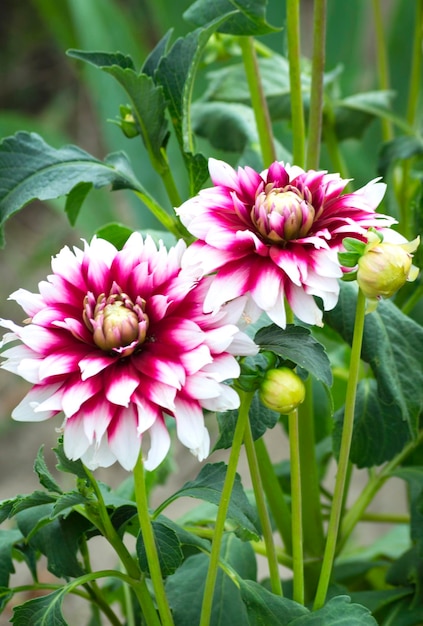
column 354, row 515
column 274, row 494
column 294, row 56
column 316, row 95
column 347, row 430
column 137, row 579
column 246, row 399
column 275, row 580
column 332, row 145
column 170, row 185
column 296, row 508
column 258, row 100
column 150, row 543
column 170, row 223
column 382, row 63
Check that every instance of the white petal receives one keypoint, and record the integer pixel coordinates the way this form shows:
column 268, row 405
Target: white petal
column 189, row 423
column 26, row 411
column 30, row 302
column 98, row 455
column 124, row 441
column 159, row 445
column 227, row 400
column 75, row 441
column 304, row 306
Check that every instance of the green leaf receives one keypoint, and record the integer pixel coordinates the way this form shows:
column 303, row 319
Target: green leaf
column 176, row 73
column 261, row 418
column 7, row 540
column 147, row 99
column 153, row 59
column 398, row 149
column 185, row 537
column 168, row 549
column 337, row 612
column 75, row 200
column 228, row 126
column 117, row 234
column 34, row 499
column 295, row 343
column 31, row 169
column 5, row 595
column 265, row 608
column 378, row 599
column 66, row 502
column 44, row 476
column 414, row 478
column 354, row 113
column 43, row 611
column 66, row 465
column 379, row 429
column 250, row 19
column 185, row 588
column 208, row 486
column 392, row 345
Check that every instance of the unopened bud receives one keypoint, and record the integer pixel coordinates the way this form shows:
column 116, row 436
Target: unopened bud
column 282, row 390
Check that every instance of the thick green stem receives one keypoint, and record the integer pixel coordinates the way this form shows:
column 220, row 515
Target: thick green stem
column 296, row 508
column 246, row 399
column 272, row 560
column 316, row 95
column 170, row 223
column 294, row 57
column 382, row 63
column 344, row 453
column 274, row 494
column 150, row 543
column 258, row 100
column 332, row 145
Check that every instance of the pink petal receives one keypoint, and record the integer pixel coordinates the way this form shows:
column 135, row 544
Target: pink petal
column 120, row 383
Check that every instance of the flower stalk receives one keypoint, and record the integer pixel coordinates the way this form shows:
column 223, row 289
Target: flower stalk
column 294, row 56
column 343, row 461
column 316, row 90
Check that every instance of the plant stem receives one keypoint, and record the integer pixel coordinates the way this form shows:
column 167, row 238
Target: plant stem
column 316, row 94
column 274, row 494
column 294, row 57
column 296, row 508
column 347, row 431
column 382, row 64
column 258, row 100
column 246, row 399
column 150, row 543
column 332, row 145
column 169, row 222
column 272, row 560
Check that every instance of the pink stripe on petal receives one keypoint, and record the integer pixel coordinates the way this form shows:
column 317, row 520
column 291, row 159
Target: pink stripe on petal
column 266, row 286
column 77, row 391
column 120, row 383
column 159, row 393
column 223, row 174
column 231, row 281
column 93, row 363
column 166, row 371
column 60, row 363
column 148, row 413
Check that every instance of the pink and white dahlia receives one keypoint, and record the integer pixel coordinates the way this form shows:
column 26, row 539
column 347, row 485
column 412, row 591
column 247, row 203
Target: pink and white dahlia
column 275, row 235
column 116, row 341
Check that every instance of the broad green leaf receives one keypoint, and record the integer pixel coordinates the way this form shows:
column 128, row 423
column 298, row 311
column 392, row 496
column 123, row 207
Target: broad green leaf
column 176, row 73
column 267, row 609
column 43, row 611
column 295, row 343
column 414, row 478
column 7, row 540
column 65, row 503
column 250, row 19
column 339, row 611
column 34, row 499
column 392, row 345
column 185, row 537
column 5, row 595
column 168, row 549
column 378, row 599
column 116, row 233
column 208, row 486
column 185, row 588
column 153, row 59
column 147, row 99
column 398, row 149
column 44, row 475
column 228, row 126
column 379, row 429
column 31, row 169
column 261, row 418
column 352, row 115
column 66, row 465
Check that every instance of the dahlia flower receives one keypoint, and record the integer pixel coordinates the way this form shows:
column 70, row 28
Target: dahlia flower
column 275, row 235
column 116, row 341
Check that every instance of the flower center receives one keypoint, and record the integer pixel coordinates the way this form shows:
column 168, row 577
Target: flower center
column 282, row 214
column 117, row 323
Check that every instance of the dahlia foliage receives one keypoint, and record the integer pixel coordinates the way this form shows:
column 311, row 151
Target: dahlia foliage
column 276, row 235
column 117, row 341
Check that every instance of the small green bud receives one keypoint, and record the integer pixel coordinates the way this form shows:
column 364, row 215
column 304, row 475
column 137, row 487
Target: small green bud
column 282, row 390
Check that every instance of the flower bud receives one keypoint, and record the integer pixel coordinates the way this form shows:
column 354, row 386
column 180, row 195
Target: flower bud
column 385, row 267
column 282, row 390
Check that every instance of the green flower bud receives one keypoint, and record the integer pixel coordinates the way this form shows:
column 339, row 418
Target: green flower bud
column 282, row 390
column 385, row 267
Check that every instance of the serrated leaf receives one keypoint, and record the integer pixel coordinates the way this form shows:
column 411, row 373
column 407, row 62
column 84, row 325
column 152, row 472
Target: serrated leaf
column 153, row 59
column 66, row 502
column 168, row 549
column 250, row 19
column 31, row 169
column 7, row 540
column 261, row 418
column 208, row 486
column 43, row 611
column 35, row 499
column 295, row 343
column 75, row 200
column 228, row 126
column 66, row 465
column 43, row 473
column 176, row 72
column 185, row 537
column 339, row 611
column 147, row 99
column 392, row 345
column 185, row 588
column 5, row 595
column 267, row 609
column 379, row 429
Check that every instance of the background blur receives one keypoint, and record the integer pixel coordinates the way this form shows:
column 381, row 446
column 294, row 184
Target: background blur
column 66, row 101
